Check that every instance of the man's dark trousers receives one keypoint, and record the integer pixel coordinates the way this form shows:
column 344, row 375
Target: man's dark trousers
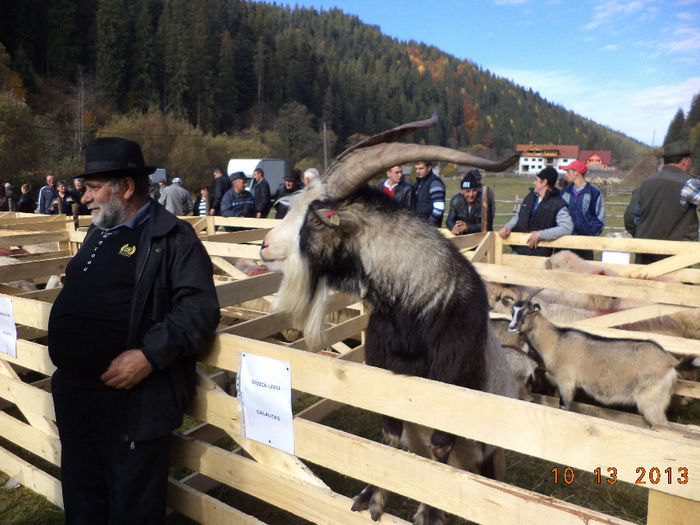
column 94, row 450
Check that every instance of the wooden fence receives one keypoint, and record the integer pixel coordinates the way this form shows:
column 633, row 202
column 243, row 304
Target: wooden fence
column 586, row 439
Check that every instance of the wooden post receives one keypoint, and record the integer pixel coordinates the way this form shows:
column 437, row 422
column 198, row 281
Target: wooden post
column 666, row 509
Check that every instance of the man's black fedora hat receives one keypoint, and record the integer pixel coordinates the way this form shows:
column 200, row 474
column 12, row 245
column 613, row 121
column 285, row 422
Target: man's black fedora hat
column 114, row 156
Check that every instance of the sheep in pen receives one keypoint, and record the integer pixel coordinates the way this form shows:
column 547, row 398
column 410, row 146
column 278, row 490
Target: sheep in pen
column 429, row 309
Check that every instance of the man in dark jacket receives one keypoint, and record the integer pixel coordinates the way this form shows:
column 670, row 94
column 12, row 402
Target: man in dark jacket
column 466, row 208
column 429, row 193
column 397, row 188
column 261, row 194
column 665, row 205
column 543, row 213
column 238, row 202
column 137, row 305
column 222, row 183
column 291, row 184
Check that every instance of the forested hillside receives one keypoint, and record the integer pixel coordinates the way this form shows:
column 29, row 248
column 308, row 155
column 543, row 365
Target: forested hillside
column 225, row 66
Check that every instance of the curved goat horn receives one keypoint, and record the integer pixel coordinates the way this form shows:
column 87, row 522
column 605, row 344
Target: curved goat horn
column 533, row 294
column 355, row 166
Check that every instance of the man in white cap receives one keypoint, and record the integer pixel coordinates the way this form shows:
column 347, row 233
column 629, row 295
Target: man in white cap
column 176, row 199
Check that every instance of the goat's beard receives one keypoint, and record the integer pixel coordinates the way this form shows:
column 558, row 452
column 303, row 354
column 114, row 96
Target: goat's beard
column 303, row 298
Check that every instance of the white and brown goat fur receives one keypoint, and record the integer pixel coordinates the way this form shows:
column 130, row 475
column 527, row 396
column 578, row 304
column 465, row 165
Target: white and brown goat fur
column 612, row 371
column 429, row 310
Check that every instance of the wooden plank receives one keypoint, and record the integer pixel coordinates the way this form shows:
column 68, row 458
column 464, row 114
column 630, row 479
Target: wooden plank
column 646, row 291
column 465, row 242
column 220, row 409
column 29, row 438
column 482, row 251
column 338, row 332
column 203, row 508
column 32, row 477
column 246, row 222
column 30, row 270
column 610, row 244
column 687, row 388
column 24, row 396
column 485, row 417
column 665, row 509
column 239, row 237
column 46, row 296
column 24, row 239
column 228, row 268
column 248, row 289
column 249, row 251
column 631, row 315
column 488, row 502
column 665, row 266
column 261, row 327
column 30, row 313
column 32, row 356
column 313, row 503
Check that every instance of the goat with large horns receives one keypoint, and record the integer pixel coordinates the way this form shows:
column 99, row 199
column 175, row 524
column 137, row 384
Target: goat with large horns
column 429, row 309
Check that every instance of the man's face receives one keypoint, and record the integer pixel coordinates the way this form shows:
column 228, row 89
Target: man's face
column 290, row 185
column 105, row 203
column 61, row 189
column 239, row 185
column 394, row 174
column 257, row 176
column 470, row 195
column 217, row 174
column 540, row 185
column 421, row 170
column 51, row 181
column 78, row 185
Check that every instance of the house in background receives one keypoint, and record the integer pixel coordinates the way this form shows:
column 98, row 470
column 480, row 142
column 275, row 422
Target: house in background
column 596, row 159
column 536, row 157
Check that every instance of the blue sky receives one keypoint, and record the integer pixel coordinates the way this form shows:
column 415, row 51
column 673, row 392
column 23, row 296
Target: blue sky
column 627, row 64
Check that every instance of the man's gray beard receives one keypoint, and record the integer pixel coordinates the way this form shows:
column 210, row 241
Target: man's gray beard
column 111, row 214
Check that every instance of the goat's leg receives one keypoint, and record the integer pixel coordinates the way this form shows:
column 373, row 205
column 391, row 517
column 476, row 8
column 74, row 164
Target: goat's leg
column 441, row 445
column 374, row 498
column 494, row 465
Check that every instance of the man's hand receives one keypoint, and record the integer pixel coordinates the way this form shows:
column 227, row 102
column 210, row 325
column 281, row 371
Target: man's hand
column 533, row 239
column 459, row 228
column 127, row 370
column 504, row 232
column 212, row 211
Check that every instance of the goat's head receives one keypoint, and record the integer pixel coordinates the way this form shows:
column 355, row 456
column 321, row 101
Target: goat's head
column 325, row 217
column 524, row 313
column 502, row 297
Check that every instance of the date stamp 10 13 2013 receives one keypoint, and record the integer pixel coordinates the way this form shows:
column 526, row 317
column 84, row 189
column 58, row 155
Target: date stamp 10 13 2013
column 645, row 475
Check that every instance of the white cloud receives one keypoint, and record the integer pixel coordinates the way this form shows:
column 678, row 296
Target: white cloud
column 643, row 114
column 687, row 41
column 610, row 47
column 608, row 13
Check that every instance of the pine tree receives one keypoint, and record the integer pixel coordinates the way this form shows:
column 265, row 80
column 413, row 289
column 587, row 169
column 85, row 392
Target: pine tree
column 677, row 130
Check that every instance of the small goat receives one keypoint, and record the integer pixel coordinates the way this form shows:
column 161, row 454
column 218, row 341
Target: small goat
column 624, row 371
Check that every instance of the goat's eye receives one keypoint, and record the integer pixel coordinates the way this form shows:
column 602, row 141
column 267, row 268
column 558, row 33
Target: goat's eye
column 315, row 221
column 506, row 300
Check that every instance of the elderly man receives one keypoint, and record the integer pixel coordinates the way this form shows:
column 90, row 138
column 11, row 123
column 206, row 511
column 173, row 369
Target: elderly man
column 665, row 205
column 429, row 193
column 543, row 213
column 585, row 203
column 398, row 189
column 176, row 199
column 137, row 305
column 466, row 211
column 291, row 184
column 47, row 194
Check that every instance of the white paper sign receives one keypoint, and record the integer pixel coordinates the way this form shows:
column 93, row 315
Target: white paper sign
column 264, row 389
column 615, row 257
column 8, row 330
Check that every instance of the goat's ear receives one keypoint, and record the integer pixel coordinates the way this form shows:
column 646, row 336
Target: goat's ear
column 336, row 219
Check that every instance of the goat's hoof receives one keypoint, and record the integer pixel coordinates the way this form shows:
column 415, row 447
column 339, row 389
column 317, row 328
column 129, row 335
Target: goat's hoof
column 371, row 498
column 427, row 515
